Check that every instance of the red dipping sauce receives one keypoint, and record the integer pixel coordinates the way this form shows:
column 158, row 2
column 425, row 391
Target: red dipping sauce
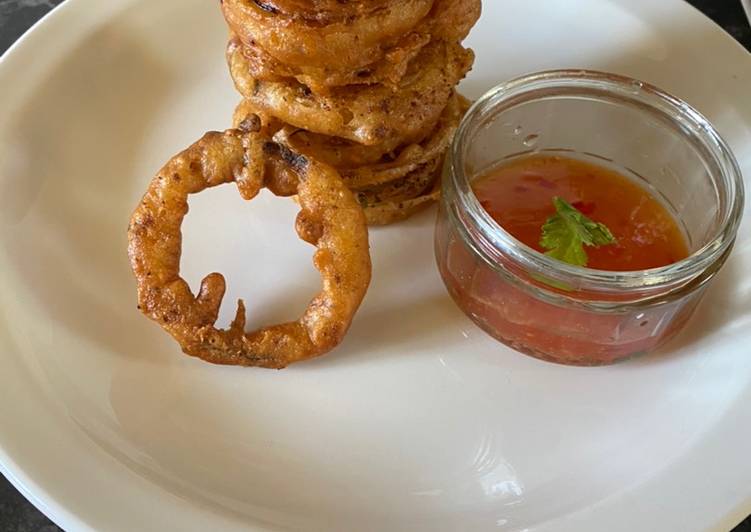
column 519, row 196
column 543, row 317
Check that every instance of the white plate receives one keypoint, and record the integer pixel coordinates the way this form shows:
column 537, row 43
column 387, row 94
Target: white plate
column 419, row 421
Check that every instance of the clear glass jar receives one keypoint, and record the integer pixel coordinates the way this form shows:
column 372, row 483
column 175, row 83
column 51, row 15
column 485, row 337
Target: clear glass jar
column 553, row 310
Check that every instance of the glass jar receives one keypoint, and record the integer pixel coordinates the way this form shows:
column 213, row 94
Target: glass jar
column 553, row 310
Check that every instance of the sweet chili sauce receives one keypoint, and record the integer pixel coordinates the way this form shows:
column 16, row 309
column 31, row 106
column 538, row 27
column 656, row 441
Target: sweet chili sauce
column 506, row 301
column 518, row 195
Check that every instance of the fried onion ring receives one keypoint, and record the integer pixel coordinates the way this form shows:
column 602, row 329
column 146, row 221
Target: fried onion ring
column 390, row 212
column 368, row 115
column 388, row 70
column 406, row 187
column 330, row 218
column 334, row 151
column 352, row 43
column 324, row 11
column 393, row 202
column 412, row 156
column 449, row 20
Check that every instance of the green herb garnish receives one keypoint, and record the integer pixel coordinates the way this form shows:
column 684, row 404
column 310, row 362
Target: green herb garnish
column 566, row 233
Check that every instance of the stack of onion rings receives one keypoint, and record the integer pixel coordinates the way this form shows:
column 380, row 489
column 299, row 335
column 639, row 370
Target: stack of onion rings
column 349, row 106
column 368, row 172
column 367, row 87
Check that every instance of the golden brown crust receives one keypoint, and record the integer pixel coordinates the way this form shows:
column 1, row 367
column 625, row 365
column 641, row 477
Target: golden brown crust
column 388, row 70
column 390, row 212
column 363, row 165
column 367, row 115
column 324, row 11
column 352, row 43
column 390, row 191
column 330, row 218
column 311, row 51
column 452, row 20
column 407, row 187
column 334, row 151
column 412, row 156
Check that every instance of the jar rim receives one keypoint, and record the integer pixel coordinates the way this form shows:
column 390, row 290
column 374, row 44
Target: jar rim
column 628, row 91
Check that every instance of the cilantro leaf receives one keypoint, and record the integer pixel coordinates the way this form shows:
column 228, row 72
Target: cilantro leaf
column 566, row 233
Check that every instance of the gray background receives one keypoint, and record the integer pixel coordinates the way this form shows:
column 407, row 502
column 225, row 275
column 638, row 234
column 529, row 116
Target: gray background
column 16, row 16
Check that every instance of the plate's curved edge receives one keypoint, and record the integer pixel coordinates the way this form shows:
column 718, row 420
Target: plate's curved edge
column 735, row 518
column 34, row 28
column 33, row 491
column 735, row 41
column 44, row 503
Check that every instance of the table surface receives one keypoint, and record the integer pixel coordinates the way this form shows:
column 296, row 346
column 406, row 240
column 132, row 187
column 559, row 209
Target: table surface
column 16, row 16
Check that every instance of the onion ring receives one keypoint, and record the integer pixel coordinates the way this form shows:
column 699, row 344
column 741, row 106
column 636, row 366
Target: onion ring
column 352, row 43
column 449, row 20
column 388, row 70
column 393, row 202
column 390, row 212
column 324, row 11
column 369, row 114
column 334, row 151
column 406, row 187
column 330, row 218
column 412, row 156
